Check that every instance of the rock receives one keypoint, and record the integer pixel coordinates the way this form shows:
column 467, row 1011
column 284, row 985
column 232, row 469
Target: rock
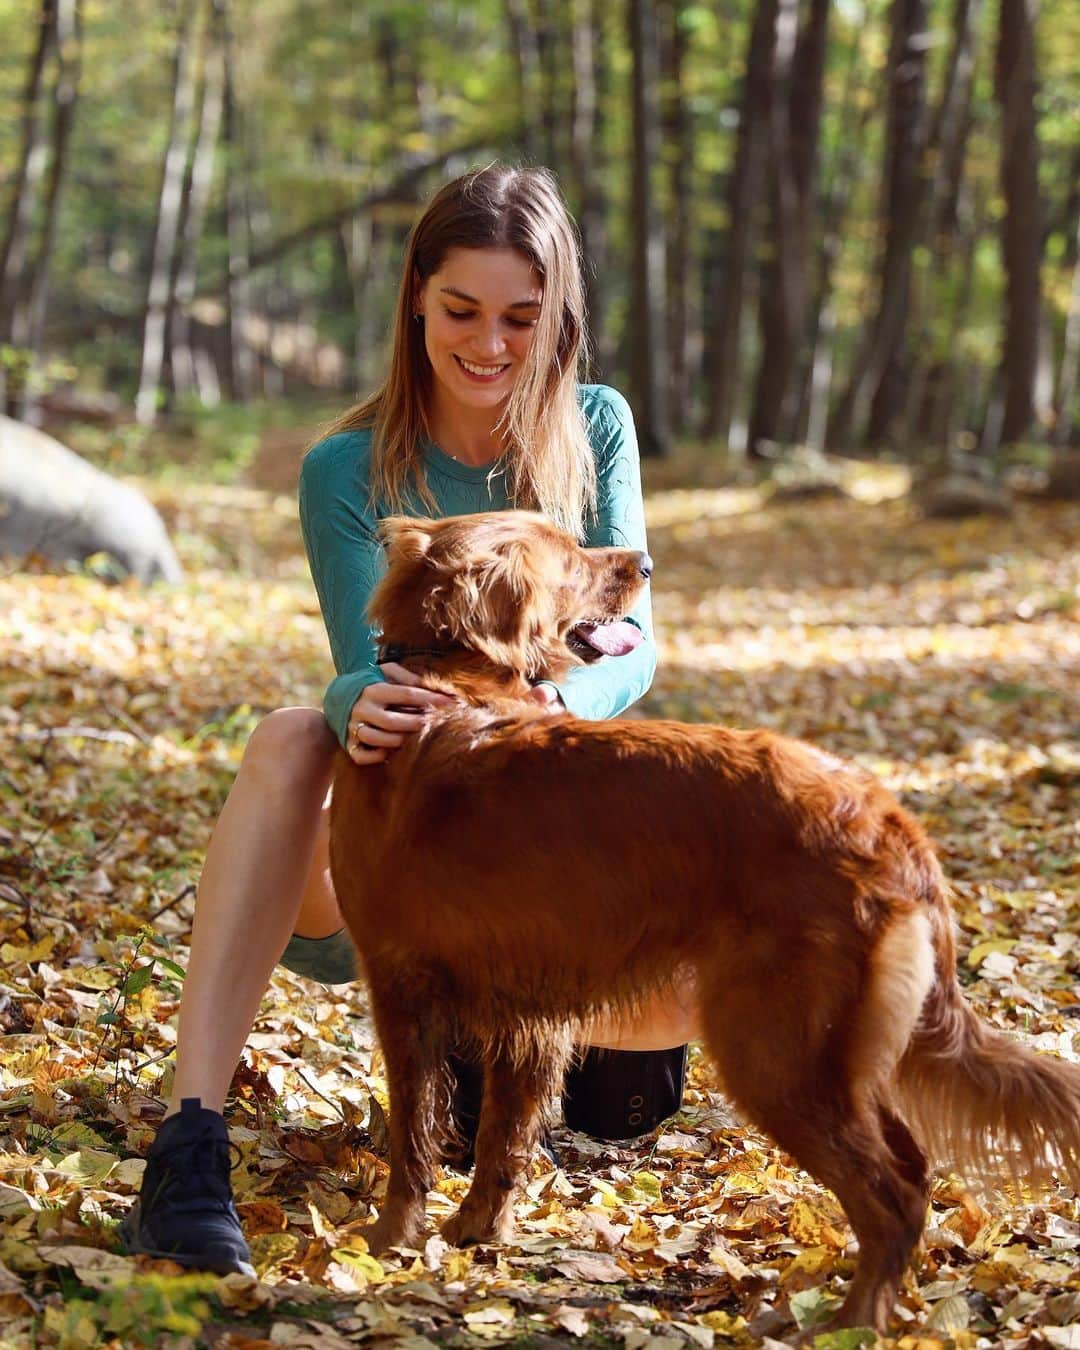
column 803, row 474
column 958, row 494
column 1063, row 483
column 55, row 504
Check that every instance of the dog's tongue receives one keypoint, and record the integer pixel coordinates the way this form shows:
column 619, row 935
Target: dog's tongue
column 613, row 639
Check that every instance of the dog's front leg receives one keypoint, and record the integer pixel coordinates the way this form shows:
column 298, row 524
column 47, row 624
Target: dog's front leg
column 414, row 1049
column 516, row 1090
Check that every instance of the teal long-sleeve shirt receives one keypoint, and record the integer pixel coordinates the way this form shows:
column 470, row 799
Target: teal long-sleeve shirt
column 339, row 525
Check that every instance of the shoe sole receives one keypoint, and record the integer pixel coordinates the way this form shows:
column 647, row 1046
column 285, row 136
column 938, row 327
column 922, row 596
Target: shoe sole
column 134, row 1246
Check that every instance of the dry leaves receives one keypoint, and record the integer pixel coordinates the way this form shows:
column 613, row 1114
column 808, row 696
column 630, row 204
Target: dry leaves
column 944, row 657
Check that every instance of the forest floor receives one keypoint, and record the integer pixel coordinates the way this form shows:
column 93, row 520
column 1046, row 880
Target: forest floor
column 943, row 656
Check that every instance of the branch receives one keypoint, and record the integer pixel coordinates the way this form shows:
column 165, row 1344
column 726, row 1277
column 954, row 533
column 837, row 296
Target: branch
column 401, row 187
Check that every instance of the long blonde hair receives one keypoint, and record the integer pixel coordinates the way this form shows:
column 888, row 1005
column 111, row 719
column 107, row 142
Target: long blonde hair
column 549, row 464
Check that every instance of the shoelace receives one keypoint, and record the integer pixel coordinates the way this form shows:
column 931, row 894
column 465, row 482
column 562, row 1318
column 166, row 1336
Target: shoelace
column 201, row 1165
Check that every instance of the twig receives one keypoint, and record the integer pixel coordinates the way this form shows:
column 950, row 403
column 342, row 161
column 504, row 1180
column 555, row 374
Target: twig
column 77, row 733
column 112, row 837
column 300, row 1074
column 128, row 722
column 154, row 1059
column 182, row 894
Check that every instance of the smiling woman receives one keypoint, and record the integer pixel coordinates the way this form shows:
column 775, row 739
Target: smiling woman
column 477, row 336
column 481, row 410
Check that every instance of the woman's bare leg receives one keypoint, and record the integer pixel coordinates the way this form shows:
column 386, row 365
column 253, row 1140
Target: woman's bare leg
column 668, row 1019
column 257, row 884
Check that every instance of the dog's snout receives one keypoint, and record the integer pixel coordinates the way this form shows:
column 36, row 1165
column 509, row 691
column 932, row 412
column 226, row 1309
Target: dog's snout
column 645, row 565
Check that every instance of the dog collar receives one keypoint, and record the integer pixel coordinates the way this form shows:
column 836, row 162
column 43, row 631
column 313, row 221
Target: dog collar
column 395, row 651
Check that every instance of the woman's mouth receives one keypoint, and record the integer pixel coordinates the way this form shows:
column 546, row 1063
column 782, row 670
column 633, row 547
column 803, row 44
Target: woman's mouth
column 481, row 374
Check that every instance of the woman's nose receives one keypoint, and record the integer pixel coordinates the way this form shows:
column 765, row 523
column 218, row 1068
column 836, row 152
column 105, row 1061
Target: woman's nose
column 488, row 340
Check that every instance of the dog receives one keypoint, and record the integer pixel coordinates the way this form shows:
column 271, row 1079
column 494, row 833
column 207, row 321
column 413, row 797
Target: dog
column 510, row 873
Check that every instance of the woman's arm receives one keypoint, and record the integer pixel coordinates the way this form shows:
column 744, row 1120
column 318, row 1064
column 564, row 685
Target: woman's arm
column 346, row 561
column 615, row 682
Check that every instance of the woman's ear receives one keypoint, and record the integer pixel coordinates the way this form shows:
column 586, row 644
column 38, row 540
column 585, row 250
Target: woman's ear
column 416, row 299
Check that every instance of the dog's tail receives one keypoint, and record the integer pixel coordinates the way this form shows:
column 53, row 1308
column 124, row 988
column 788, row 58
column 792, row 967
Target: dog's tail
column 981, row 1100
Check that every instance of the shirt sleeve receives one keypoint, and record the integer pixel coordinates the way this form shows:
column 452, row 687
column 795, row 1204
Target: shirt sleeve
column 610, row 685
column 346, row 559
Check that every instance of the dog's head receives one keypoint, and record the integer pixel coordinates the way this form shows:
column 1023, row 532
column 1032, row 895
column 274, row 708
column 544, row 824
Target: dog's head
column 510, row 586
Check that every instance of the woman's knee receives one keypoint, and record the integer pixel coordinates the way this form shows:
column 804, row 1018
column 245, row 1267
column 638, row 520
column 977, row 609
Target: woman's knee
column 296, row 743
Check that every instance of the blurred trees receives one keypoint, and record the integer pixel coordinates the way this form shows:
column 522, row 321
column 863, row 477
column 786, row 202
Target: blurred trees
column 838, row 223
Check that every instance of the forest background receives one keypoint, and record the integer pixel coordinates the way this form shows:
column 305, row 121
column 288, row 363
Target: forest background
column 832, row 250
column 835, row 223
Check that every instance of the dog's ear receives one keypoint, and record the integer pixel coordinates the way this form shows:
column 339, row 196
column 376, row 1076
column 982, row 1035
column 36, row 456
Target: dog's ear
column 498, row 605
column 406, row 537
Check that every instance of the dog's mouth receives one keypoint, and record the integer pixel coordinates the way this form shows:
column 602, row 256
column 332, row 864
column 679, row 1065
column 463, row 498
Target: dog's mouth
column 592, row 638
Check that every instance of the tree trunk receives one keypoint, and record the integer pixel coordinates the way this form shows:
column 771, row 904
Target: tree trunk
column 875, row 395
column 1021, row 226
column 184, row 376
column 948, row 144
column 794, row 121
column 721, row 350
column 678, row 135
column 545, row 26
column 597, row 201
column 648, row 365
column 169, row 209
column 29, row 322
column 588, row 190
column 526, row 56
column 1070, row 356
column 855, row 113
column 31, row 168
column 238, row 372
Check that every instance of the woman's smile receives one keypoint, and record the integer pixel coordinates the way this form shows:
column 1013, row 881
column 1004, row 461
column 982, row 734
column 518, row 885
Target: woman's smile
column 484, row 374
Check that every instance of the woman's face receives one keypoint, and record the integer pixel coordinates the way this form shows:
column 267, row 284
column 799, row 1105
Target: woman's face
column 480, row 310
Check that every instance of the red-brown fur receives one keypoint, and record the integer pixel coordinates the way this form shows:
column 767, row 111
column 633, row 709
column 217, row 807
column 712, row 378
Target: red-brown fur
column 508, row 873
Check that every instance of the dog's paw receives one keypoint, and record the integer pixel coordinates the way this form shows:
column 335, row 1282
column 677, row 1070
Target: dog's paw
column 465, row 1229
column 384, row 1233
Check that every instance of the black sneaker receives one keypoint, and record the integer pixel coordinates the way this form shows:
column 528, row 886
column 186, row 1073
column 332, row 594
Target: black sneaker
column 185, row 1211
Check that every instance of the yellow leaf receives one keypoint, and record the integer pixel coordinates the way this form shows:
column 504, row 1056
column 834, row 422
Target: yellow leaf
column 89, row 1167
column 491, row 1310
column 604, row 1193
column 96, row 1268
column 272, row 1249
column 982, row 950
column 642, row 1237
column 457, row 1265
column 949, row 1314
column 360, row 1262
column 127, row 1174
column 93, row 977
column 811, row 1226
column 649, row 1184
column 40, row 951
column 72, row 1328
column 724, row 1324
column 809, row 1262
column 729, row 1263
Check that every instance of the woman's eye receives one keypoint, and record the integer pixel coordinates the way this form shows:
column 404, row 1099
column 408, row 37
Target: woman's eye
column 457, row 313
column 522, row 323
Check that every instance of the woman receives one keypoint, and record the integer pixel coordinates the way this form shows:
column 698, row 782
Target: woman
column 480, row 411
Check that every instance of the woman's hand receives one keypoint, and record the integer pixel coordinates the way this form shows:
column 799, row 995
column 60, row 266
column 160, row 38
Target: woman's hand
column 379, row 722
column 547, row 696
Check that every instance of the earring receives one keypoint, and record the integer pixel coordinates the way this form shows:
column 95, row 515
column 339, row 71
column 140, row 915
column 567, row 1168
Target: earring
column 419, row 318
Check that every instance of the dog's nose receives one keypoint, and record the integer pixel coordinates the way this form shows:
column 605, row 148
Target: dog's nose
column 645, row 565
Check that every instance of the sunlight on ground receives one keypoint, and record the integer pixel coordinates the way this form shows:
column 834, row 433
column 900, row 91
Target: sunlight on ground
column 944, row 657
